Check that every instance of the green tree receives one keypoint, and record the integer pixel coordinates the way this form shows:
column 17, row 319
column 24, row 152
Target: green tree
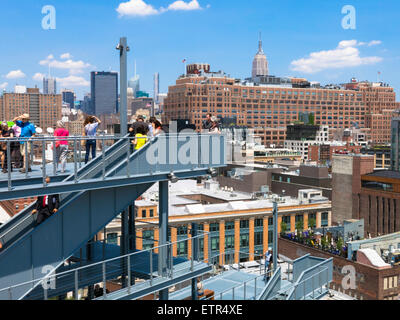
column 299, row 228
column 311, row 223
column 311, row 119
column 324, row 242
column 339, row 245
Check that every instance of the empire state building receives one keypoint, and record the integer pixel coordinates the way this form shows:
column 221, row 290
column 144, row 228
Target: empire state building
column 260, row 63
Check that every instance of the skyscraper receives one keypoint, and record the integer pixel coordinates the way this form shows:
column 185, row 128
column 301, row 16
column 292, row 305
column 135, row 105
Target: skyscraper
column 49, row 85
column 68, row 96
column 260, row 63
column 104, row 92
column 134, row 83
column 156, row 87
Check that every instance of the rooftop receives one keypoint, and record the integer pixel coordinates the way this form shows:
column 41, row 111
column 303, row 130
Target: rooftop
column 385, row 174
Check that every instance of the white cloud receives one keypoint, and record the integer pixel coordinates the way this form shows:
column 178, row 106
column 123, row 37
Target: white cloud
column 369, row 44
column 346, row 55
column 182, row 5
column 374, row 43
column 38, row 76
column 66, row 56
column 74, row 67
column 73, row 81
column 136, row 8
column 3, row 85
column 139, row 8
column 16, row 74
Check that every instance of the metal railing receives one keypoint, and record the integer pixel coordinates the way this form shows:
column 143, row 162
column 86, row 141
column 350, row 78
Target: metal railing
column 303, row 288
column 272, row 287
column 264, row 275
column 247, row 292
column 42, row 154
column 145, row 264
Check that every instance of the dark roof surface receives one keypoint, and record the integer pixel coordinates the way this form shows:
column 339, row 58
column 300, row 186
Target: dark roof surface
column 385, row 174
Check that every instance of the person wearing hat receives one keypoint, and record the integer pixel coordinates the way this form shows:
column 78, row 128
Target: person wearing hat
column 61, row 145
column 27, row 131
column 267, row 264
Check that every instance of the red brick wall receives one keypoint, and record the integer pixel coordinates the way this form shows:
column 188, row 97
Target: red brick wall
column 369, row 280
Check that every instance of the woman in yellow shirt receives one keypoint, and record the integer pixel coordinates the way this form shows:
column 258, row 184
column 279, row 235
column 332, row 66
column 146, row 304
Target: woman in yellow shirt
column 140, row 138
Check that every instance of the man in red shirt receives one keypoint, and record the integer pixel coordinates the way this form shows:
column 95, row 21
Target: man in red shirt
column 45, row 206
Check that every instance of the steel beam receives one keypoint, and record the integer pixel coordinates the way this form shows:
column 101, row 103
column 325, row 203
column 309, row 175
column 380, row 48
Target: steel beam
column 163, row 233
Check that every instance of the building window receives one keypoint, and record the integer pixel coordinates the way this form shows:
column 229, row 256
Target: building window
column 148, row 235
column 229, row 225
column 215, row 243
column 244, row 240
column 258, row 238
column 214, row 227
column 182, row 231
column 229, row 242
column 258, row 223
column 244, row 224
column 324, row 219
column 151, row 213
column 181, row 248
column 112, row 238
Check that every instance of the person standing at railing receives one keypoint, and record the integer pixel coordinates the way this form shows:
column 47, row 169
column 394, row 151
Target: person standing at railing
column 90, row 132
column 267, row 263
column 157, row 128
column 214, row 125
column 16, row 157
column 140, row 138
column 207, row 124
column 27, row 131
column 46, row 205
column 6, row 132
column 150, row 126
column 61, row 145
column 133, row 130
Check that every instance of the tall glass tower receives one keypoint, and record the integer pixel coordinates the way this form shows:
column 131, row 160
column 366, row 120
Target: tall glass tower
column 49, row 86
column 104, row 92
column 156, row 87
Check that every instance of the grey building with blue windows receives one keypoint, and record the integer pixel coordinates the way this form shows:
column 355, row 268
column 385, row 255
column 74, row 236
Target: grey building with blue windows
column 104, row 93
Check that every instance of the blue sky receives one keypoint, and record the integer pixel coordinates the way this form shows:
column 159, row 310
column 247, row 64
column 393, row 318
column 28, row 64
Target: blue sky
column 161, row 33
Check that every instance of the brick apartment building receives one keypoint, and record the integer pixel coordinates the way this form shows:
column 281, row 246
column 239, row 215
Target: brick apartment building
column 371, row 283
column 44, row 109
column 270, row 108
column 346, row 184
column 360, row 193
column 322, row 154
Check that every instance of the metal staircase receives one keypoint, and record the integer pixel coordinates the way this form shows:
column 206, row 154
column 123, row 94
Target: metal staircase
column 97, row 193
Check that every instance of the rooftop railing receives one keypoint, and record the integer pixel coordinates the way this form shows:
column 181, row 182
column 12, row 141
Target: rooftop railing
column 145, row 264
column 186, row 151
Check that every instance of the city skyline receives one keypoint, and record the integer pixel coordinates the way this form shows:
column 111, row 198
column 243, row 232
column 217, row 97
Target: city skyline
column 306, row 40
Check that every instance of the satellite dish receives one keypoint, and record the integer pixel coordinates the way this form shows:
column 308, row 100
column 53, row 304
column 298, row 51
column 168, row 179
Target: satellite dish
column 50, row 130
column 39, row 130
